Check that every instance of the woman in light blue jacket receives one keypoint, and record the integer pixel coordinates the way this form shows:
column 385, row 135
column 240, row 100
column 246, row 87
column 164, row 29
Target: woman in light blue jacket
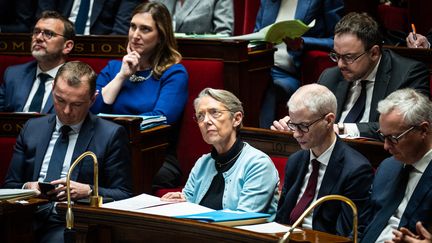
column 234, row 175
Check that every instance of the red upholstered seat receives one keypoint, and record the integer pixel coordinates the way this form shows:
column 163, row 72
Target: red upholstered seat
column 280, row 163
column 245, row 12
column 313, row 63
column 202, row 74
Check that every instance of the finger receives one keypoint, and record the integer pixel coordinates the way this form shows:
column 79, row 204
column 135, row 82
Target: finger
column 421, row 230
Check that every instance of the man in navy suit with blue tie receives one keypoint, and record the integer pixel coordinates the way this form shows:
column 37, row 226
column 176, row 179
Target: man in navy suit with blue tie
column 324, row 166
column 402, row 192
column 27, row 87
column 48, row 145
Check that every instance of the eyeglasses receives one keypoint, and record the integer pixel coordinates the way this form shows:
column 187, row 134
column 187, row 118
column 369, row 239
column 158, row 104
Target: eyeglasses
column 46, row 34
column 347, row 58
column 214, row 113
column 392, row 138
column 302, row 127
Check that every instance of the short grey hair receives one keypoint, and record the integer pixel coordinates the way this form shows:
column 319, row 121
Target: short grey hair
column 228, row 99
column 413, row 105
column 317, row 98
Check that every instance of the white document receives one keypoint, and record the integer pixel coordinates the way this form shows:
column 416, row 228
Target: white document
column 136, row 203
column 268, row 228
column 6, row 194
column 176, row 209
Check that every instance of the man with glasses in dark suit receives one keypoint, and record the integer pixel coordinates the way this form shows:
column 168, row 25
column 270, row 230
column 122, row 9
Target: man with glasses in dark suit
column 27, row 87
column 365, row 74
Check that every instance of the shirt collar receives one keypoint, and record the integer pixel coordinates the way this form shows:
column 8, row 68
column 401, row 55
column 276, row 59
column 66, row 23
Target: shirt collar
column 324, row 158
column 423, row 163
column 51, row 72
column 76, row 128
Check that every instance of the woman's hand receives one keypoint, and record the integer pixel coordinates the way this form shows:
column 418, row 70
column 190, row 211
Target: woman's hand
column 130, row 63
column 173, row 197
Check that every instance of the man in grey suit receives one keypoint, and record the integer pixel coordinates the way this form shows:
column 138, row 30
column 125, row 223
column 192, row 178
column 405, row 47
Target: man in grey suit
column 365, row 74
column 27, row 87
column 201, row 16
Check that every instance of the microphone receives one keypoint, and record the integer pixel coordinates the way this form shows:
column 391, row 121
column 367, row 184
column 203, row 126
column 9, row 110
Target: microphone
column 318, row 202
column 95, row 199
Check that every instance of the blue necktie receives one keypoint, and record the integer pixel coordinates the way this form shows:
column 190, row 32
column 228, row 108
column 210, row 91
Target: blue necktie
column 36, row 104
column 381, row 219
column 82, row 16
column 356, row 112
column 58, row 155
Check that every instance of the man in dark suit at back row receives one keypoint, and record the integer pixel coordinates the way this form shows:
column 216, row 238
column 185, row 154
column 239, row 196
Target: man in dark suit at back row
column 27, row 87
column 365, row 74
column 48, row 145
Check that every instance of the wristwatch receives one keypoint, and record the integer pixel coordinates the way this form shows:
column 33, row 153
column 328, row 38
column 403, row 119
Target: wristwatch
column 341, row 128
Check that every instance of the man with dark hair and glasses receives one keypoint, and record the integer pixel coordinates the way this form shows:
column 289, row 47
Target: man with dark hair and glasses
column 402, row 194
column 365, row 74
column 324, row 166
column 27, row 87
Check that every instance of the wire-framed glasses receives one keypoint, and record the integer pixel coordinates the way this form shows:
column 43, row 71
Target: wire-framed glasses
column 46, row 34
column 214, row 114
column 392, row 138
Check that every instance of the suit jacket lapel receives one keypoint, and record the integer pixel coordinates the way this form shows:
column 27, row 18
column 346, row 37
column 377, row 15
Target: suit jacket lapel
column 188, row 6
column 85, row 135
column 293, row 193
column 49, row 105
column 421, row 190
column 44, row 138
column 302, row 9
column 341, row 94
column 382, row 80
column 27, row 84
column 96, row 10
column 333, row 170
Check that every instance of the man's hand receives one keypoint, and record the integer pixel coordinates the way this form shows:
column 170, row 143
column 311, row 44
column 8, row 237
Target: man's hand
column 77, row 190
column 295, row 44
column 281, row 125
column 33, row 185
column 404, row 235
column 421, row 41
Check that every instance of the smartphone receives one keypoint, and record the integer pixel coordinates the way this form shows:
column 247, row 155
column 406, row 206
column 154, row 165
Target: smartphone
column 45, row 187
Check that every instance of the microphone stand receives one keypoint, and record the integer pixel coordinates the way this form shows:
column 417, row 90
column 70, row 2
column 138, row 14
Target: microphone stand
column 95, row 199
column 318, row 202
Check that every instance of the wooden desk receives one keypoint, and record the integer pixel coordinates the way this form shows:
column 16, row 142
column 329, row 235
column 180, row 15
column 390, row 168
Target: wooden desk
column 147, row 147
column 283, row 144
column 107, row 225
column 16, row 221
column 246, row 74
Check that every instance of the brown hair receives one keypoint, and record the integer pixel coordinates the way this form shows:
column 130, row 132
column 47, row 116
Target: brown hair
column 68, row 27
column 166, row 53
column 74, row 72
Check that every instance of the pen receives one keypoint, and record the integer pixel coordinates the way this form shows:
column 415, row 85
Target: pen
column 414, row 31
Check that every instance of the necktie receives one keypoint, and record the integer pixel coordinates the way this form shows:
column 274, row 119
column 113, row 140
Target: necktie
column 58, row 155
column 358, row 108
column 82, row 16
column 308, row 194
column 36, row 104
column 393, row 202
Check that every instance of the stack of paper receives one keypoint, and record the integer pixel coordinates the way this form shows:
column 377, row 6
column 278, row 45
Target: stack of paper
column 147, row 122
column 7, row 194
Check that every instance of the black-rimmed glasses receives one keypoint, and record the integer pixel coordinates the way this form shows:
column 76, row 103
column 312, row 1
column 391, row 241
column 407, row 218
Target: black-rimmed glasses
column 347, row 58
column 392, row 138
column 46, row 34
column 302, row 127
column 214, row 113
